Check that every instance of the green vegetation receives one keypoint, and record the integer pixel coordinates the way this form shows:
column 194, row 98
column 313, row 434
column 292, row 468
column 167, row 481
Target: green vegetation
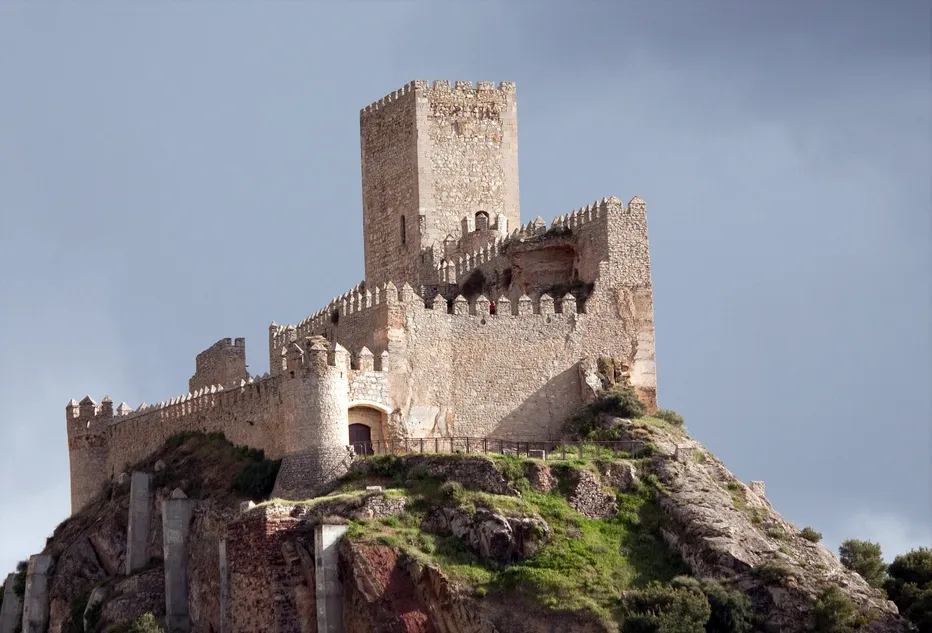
column 834, row 612
column 662, row 608
column 810, row 534
column 146, row 623
column 668, row 415
column 775, row 572
column 909, row 585
column 865, row 558
column 584, row 566
column 208, row 464
column 755, row 515
column 19, row 581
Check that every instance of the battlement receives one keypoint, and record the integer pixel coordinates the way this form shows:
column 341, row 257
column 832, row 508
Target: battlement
column 468, row 322
column 438, row 86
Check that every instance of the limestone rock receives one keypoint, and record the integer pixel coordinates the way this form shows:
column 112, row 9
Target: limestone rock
column 490, row 535
column 159, row 466
column 246, row 506
column 178, row 493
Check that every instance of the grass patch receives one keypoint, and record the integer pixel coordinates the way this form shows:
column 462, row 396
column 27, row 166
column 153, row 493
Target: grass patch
column 585, row 565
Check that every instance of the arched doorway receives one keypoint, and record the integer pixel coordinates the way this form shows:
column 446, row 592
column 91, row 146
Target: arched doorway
column 360, row 438
column 367, row 424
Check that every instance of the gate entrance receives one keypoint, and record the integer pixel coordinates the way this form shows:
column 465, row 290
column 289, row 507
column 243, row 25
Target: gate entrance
column 360, row 437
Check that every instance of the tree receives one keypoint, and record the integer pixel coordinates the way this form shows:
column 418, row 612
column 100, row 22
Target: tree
column 664, row 609
column 865, row 558
column 909, row 585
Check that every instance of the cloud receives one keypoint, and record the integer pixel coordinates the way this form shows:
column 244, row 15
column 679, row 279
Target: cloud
column 895, row 534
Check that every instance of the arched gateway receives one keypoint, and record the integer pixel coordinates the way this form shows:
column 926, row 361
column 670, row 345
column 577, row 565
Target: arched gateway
column 368, row 423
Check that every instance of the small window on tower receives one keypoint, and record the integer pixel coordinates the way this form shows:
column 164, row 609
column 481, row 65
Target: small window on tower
column 404, row 237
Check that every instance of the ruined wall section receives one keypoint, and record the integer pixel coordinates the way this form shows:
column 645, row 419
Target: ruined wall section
column 390, row 186
column 271, row 572
column 220, row 364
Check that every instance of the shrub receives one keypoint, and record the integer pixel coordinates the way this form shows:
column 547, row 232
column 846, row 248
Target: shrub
column 730, row 610
column 19, row 581
column 866, row 559
column 257, row 478
column 810, row 534
column 774, row 572
column 146, row 623
column 75, row 621
column 834, row 612
column 671, row 416
column 665, row 609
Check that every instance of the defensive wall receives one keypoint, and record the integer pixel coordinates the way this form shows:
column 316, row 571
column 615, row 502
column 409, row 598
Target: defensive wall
column 457, row 368
column 281, row 415
column 468, row 323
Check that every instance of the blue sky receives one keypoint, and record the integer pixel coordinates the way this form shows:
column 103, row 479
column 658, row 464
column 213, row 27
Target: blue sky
column 172, row 173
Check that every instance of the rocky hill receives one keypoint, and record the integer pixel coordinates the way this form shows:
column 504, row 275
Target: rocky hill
column 661, row 537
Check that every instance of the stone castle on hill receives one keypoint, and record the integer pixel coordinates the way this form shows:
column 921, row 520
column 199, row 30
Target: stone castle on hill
column 468, row 323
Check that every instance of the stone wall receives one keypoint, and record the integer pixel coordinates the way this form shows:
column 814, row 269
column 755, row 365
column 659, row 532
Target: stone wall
column 431, row 156
column 280, row 415
column 271, row 573
column 11, row 612
column 220, row 364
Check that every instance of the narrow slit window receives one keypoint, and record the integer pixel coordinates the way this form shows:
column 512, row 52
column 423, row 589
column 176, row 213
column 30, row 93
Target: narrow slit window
column 404, row 236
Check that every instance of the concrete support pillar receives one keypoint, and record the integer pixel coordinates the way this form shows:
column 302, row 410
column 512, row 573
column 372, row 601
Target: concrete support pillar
column 11, row 613
column 36, row 600
column 139, row 523
column 329, row 589
column 225, row 624
column 176, row 524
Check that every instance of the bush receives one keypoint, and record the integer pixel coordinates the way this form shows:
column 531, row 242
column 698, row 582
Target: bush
column 257, row 478
column 671, row 416
column 810, row 534
column 19, row 581
column 731, row 610
column 866, row 559
column 665, row 609
column 774, row 572
column 146, row 623
column 834, row 612
column 590, row 422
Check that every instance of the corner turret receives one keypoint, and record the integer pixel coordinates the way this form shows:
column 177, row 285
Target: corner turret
column 317, row 447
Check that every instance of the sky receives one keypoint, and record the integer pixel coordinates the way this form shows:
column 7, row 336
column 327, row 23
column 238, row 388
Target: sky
column 176, row 173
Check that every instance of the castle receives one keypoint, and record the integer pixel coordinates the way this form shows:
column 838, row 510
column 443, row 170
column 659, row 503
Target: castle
column 468, row 324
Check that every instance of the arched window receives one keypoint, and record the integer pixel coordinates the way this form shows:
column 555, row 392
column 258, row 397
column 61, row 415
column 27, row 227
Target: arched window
column 482, row 221
column 404, row 237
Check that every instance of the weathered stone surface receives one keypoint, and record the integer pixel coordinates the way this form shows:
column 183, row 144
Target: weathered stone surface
column 589, row 499
column 723, row 529
column 621, row 475
column 490, row 535
column 540, row 477
column 475, row 472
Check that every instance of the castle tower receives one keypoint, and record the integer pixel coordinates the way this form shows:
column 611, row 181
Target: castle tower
column 87, row 448
column 435, row 159
column 317, row 436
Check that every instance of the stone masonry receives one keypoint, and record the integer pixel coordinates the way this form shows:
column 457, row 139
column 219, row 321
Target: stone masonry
column 36, row 598
column 468, row 323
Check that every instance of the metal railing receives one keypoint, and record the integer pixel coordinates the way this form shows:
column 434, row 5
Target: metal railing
column 559, row 449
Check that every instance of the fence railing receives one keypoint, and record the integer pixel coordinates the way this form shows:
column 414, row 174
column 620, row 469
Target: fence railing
column 534, row 449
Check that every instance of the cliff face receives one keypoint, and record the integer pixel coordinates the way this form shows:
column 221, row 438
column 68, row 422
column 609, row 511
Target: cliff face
column 464, row 544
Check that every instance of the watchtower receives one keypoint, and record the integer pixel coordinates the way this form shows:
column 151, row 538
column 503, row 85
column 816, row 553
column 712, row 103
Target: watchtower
column 435, row 158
